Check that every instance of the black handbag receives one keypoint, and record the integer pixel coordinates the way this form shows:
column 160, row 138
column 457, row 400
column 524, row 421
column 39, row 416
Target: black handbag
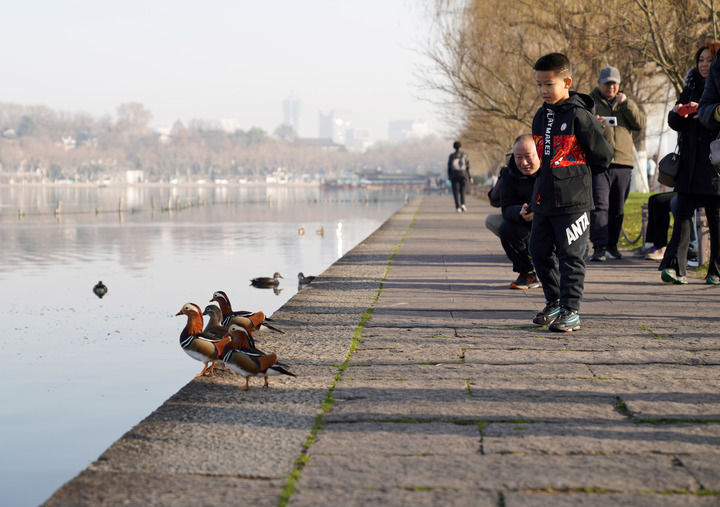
column 668, row 168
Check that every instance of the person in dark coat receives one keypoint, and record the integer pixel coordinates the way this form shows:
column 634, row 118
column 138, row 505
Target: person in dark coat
column 459, row 175
column 516, row 191
column 698, row 181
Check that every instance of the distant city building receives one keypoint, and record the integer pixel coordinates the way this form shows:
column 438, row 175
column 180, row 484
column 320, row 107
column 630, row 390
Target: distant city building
column 403, row 130
column 291, row 112
column 357, row 139
column 334, row 125
column 230, row 125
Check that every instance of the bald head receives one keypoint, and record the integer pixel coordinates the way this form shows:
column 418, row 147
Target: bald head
column 525, row 155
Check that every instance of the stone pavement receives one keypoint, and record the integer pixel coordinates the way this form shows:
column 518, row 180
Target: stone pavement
column 422, row 381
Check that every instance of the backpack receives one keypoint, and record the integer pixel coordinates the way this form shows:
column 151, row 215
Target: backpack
column 458, row 166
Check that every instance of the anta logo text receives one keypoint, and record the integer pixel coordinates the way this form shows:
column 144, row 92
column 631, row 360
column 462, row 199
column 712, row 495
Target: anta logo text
column 577, row 228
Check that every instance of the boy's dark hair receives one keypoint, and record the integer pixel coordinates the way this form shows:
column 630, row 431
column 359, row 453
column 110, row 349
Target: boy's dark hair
column 555, row 62
column 457, row 144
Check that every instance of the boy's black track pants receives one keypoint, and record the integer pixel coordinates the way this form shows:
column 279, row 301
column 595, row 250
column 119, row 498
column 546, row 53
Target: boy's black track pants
column 558, row 245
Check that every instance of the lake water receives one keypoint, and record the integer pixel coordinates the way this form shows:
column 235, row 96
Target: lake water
column 78, row 371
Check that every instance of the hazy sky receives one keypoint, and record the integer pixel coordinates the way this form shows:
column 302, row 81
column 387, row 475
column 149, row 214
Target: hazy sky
column 219, row 59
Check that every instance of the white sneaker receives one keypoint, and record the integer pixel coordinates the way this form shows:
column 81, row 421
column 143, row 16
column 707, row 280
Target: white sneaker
column 459, row 210
column 463, row 208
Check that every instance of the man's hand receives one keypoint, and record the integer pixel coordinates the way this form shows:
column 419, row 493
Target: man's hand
column 621, row 97
column 601, row 119
column 527, row 216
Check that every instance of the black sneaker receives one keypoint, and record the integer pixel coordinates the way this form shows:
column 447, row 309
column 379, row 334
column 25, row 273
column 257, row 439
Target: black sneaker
column 526, row 281
column 598, row 255
column 548, row 315
column 567, row 321
column 614, row 252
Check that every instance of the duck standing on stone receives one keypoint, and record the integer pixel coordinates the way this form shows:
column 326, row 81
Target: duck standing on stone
column 195, row 343
column 264, row 282
column 242, row 358
column 256, row 319
column 304, row 280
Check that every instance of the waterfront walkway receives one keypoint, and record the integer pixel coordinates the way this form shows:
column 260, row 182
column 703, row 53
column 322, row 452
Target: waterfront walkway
column 421, row 381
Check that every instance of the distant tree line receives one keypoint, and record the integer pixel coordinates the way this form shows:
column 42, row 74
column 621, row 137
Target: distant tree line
column 40, row 144
column 482, row 54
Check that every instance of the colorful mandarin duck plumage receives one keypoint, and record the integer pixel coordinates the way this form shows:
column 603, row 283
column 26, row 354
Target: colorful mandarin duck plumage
column 242, row 358
column 195, row 343
column 249, row 320
column 266, row 282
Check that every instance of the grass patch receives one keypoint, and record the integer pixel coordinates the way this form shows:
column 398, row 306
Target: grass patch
column 520, row 428
column 467, row 387
column 632, row 221
column 660, row 421
column 462, row 355
column 656, row 335
column 682, row 491
column 622, row 407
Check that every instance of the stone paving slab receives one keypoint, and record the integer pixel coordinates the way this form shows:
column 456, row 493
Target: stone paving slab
column 398, row 439
column 606, row 500
column 141, row 488
column 592, row 438
column 394, row 497
column 496, row 472
column 450, row 396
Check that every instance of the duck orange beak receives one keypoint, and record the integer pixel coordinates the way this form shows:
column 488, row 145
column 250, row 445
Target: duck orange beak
column 179, row 313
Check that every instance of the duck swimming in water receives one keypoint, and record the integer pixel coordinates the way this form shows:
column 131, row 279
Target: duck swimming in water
column 100, row 289
column 266, row 282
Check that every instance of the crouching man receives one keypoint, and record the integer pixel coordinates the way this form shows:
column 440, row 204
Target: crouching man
column 516, row 190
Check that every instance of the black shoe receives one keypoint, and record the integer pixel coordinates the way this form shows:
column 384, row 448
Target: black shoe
column 567, row 321
column 525, row 281
column 548, row 315
column 613, row 252
column 598, row 255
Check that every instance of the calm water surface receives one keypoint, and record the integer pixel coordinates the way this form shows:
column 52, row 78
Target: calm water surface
column 78, row 371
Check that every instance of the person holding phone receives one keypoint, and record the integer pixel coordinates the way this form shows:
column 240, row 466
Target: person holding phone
column 619, row 116
column 698, row 180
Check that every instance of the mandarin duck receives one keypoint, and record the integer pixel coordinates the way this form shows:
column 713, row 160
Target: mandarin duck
column 214, row 325
column 265, row 282
column 223, row 300
column 304, row 280
column 195, row 343
column 242, row 358
column 257, row 319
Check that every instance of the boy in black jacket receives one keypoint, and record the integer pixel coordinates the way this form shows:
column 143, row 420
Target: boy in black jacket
column 571, row 147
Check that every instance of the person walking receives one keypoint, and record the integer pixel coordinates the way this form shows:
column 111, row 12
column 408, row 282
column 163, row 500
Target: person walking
column 619, row 116
column 459, row 175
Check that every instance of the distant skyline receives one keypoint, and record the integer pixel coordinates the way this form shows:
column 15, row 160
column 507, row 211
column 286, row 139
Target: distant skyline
column 221, row 59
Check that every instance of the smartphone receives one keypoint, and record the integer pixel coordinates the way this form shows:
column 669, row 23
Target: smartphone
column 686, row 109
column 610, row 121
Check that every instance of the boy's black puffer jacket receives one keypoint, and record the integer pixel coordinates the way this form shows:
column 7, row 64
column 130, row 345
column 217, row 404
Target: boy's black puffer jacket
column 571, row 147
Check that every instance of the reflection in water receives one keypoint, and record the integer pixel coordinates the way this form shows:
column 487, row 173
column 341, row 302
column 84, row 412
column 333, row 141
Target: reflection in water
column 95, row 367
